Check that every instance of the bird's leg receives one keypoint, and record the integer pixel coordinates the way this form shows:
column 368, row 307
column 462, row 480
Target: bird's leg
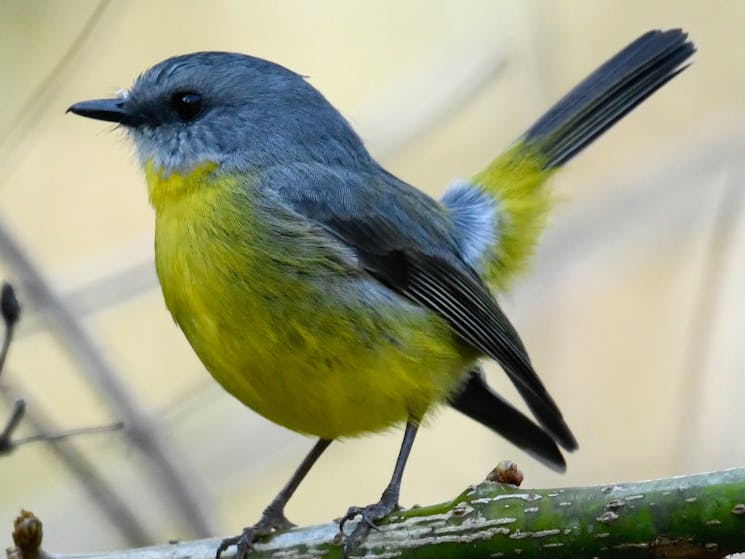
column 388, row 501
column 273, row 518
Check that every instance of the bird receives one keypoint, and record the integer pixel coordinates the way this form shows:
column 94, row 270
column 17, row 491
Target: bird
column 330, row 296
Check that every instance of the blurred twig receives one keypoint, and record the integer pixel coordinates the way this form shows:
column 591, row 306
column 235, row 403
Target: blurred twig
column 43, row 437
column 102, row 494
column 105, row 376
column 11, row 313
column 8, row 443
column 118, row 512
column 10, row 310
column 708, row 304
column 27, row 116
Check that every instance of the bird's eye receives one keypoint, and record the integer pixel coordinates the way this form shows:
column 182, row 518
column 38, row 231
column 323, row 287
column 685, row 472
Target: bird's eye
column 187, row 104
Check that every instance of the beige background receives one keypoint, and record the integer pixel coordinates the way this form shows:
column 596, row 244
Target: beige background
column 633, row 311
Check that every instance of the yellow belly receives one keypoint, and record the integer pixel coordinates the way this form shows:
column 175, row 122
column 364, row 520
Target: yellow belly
column 300, row 349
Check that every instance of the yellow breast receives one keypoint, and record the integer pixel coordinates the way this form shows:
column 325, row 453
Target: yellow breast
column 285, row 344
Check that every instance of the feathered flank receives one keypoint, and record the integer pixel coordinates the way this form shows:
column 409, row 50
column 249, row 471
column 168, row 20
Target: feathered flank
column 421, row 264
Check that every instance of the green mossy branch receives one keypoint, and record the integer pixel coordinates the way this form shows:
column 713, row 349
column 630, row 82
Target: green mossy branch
column 682, row 517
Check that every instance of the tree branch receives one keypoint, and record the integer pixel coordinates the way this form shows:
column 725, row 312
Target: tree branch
column 683, row 517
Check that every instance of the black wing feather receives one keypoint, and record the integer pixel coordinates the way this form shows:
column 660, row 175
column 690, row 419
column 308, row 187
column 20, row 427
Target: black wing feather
column 380, row 218
column 454, row 291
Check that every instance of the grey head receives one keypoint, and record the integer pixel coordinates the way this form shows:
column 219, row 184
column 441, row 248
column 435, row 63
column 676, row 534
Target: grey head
column 239, row 111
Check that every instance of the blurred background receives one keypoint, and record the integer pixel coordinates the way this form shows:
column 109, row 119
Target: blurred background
column 633, row 311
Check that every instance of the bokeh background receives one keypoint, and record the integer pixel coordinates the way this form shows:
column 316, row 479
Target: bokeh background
column 633, row 310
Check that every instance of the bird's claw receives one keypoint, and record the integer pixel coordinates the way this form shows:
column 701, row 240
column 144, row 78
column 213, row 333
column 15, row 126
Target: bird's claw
column 243, row 544
column 364, row 512
column 271, row 521
column 368, row 517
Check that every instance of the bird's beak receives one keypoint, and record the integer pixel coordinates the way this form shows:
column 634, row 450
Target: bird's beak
column 110, row 110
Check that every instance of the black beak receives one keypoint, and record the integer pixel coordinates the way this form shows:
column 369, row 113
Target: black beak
column 110, row 110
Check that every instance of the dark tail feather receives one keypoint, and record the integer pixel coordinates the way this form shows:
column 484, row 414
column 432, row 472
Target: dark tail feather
column 608, row 94
column 515, row 361
column 478, row 401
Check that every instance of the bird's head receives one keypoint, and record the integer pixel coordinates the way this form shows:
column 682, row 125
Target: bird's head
column 236, row 111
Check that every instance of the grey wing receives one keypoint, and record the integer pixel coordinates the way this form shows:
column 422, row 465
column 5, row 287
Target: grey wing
column 406, row 241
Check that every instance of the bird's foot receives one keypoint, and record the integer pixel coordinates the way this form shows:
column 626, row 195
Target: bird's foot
column 368, row 517
column 272, row 521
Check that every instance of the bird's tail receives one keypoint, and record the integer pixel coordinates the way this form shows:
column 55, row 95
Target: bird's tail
column 476, row 400
column 512, row 182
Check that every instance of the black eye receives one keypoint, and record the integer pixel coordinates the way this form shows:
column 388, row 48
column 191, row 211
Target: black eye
column 187, row 104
